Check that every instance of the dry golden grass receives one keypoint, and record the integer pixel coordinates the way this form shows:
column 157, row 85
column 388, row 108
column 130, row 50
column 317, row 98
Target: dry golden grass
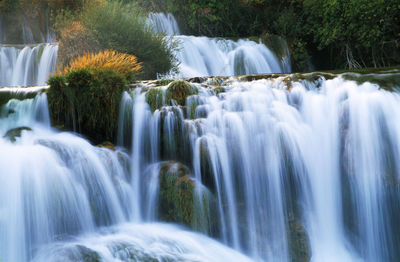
column 125, row 64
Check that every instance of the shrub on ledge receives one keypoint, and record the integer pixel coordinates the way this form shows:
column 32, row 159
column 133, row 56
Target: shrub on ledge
column 87, row 101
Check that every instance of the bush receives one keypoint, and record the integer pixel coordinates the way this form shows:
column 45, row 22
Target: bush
column 122, row 28
column 124, row 64
column 87, row 101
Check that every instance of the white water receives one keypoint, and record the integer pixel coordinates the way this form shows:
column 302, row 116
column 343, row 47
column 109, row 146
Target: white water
column 27, row 65
column 204, row 56
column 325, row 157
column 63, row 199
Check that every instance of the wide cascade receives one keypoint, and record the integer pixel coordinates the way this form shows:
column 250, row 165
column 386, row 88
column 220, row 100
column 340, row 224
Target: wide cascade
column 278, row 167
column 63, row 199
column 283, row 170
column 204, row 56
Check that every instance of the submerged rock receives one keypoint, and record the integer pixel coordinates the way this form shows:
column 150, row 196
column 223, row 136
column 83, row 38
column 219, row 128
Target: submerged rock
column 12, row 134
column 177, row 200
column 299, row 244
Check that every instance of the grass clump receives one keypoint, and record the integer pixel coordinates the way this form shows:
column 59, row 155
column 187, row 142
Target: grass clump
column 124, row 64
column 87, row 101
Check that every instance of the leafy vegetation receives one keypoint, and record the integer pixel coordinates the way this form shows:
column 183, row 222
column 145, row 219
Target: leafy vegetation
column 336, row 33
column 123, row 30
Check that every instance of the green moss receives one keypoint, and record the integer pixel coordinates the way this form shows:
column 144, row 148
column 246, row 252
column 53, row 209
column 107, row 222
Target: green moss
column 87, row 101
column 177, row 201
column 178, row 91
column 154, row 97
column 176, row 194
column 163, row 82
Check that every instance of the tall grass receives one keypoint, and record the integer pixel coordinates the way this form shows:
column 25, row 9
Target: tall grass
column 124, row 64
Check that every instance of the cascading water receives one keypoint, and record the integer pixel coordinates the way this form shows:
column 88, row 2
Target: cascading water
column 203, row 56
column 297, row 170
column 63, row 199
column 27, row 65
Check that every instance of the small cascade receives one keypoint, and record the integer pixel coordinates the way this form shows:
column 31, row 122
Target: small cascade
column 163, row 23
column 27, row 65
column 291, row 172
column 204, row 56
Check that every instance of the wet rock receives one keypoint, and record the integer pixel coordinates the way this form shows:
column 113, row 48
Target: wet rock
column 81, row 253
column 12, row 134
column 108, row 145
column 299, row 244
column 198, row 80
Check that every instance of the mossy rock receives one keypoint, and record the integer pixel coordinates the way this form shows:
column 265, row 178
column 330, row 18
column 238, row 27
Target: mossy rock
column 163, row 82
column 178, row 91
column 176, row 194
column 12, row 134
column 219, row 90
column 299, row 244
column 154, row 98
column 198, row 80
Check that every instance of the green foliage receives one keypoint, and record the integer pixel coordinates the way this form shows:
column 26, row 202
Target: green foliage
column 364, row 32
column 87, row 101
column 8, row 5
column 121, row 27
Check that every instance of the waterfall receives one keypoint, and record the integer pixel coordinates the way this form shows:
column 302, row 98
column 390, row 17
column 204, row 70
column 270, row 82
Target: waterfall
column 296, row 169
column 27, row 65
column 63, row 199
column 163, row 23
column 204, row 56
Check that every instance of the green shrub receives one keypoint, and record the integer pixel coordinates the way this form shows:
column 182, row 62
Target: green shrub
column 122, row 28
column 87, row 101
